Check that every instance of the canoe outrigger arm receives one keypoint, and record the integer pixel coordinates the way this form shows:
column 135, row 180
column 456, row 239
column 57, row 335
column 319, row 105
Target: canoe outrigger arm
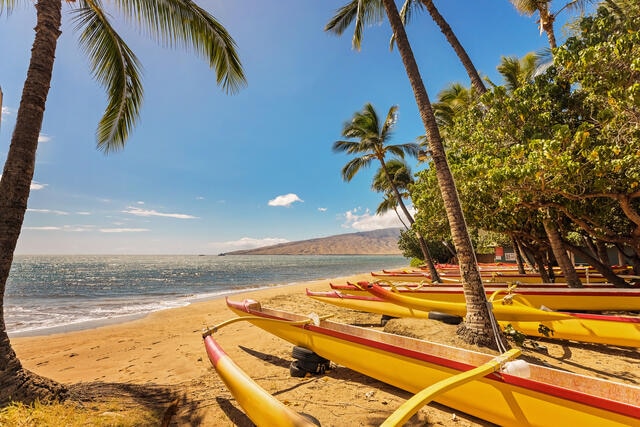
column 313, row 318
column 411, row 406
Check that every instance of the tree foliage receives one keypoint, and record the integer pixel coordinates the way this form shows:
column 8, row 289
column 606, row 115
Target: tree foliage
column 567, row 140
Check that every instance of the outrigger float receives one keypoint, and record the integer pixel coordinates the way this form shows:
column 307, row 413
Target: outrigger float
column 508, row 395
column 556, row 298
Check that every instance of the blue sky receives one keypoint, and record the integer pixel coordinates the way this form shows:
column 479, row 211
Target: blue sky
column 205, row 172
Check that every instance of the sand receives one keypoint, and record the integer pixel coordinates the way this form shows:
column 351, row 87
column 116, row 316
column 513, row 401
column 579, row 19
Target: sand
column 160, row 359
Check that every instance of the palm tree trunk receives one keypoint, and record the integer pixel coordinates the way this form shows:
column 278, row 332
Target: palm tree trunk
column 480, row 324
column 433, row 272
column 476, row 81
column 519, row 259
column 19, row 384
column 560, row 253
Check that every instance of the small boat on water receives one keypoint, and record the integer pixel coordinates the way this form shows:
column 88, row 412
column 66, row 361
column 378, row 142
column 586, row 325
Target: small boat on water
column 598, row 329
column 538, row 396
column 556, row 298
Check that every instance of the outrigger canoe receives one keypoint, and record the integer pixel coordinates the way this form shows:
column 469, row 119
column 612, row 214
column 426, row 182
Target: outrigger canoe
column 598, row 329
column 580, row 299
column 260, row 406
column 489, row 277
column 544, row 397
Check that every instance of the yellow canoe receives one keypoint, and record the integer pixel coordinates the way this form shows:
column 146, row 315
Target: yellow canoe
column 490, row 277
column 260, row 406
column 505, row 308
column 556, row 298
column 546, row 397
column 598, row 329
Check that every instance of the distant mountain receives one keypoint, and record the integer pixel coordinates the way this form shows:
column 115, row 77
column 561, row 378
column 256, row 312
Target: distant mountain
column 376, row 242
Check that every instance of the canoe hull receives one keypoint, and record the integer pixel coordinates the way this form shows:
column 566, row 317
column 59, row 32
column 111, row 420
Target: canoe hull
column 609, row 330
column 587, row 299
column 412, row 365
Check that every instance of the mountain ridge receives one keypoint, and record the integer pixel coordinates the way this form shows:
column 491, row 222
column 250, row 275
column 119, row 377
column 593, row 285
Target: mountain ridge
column 376, row 242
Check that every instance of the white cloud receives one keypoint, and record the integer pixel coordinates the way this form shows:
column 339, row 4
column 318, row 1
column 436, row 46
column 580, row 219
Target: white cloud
column 37, row 185
column 146, row 212
column 65, row 228
column 34, row 185
column 42, row 228
column 83, row 213
column 249, row 243
column 51, row 211
column 322, row 209
column 285, row 200
column 366, row 221
column 44, row 138
column 123, row 230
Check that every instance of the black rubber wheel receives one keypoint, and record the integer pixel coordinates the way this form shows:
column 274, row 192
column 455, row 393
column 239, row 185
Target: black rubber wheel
column 301, row 353
column 296, row 371
column 312, row 367
column 449, row 319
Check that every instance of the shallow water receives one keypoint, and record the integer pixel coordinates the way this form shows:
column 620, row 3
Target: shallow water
column 46, row 292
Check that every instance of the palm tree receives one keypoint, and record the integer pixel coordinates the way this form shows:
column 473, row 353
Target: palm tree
column 372, row 11
column 517, row 72
column 546, row 18
column 372, row 137
column 453, row 100
column 113, row 64
column 451, row 37
column 480, row 324
column 397, row 174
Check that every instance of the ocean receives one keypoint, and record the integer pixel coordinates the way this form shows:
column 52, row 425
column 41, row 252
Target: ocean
column 47, row 294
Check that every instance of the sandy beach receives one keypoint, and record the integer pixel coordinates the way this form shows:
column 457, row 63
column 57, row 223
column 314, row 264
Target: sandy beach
column 162, row 357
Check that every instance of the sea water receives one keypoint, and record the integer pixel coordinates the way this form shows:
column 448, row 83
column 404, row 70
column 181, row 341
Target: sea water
column 48, row 294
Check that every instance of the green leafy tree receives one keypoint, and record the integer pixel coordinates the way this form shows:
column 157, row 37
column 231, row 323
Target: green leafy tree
column 562, row 146
column 114, row 65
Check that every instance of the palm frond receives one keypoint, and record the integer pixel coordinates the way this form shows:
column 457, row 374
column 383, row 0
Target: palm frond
column 527, row 7
column 389, row 123
column 344, row 146
column 116, row 67
column 406, row 14
column 343, row 18
column 182, row 23
column 8, row 6
column 359, row 12
column 354, row 165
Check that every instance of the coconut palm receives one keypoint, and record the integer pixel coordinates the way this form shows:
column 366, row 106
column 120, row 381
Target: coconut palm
column 452, row 100
column 372, row 11
column 480, row 324
column 114, row 65
column 397, row 174
column 518, row 71
column 546, row 18
column 370, row 145
column 401, row 176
